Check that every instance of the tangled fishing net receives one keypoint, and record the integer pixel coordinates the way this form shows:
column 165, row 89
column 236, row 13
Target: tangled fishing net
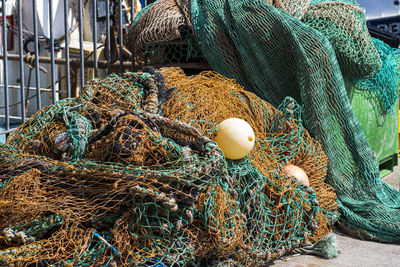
column 164, row 35
column 303, row 49
column 114, row 178
column 385, row 83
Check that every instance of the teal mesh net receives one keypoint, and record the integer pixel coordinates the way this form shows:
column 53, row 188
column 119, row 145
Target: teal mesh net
column 385, row 83
column 275, row 55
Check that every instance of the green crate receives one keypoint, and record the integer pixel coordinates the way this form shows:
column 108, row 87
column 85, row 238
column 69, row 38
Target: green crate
column 380, row 129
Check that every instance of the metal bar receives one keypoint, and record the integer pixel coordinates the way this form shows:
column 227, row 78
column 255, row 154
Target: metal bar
column 120, row 38
column 11, row 117
column 5, row 64
column 132, row 19
column 132, row 10
column 108, row 43
column 7, row 131
column 10, row 86
column 60, row 61
column 68, row 73
column 103, row 64
column 21, row 63
column 37, row 53
column 52, row 73
column 95, row 37
column 81, row 55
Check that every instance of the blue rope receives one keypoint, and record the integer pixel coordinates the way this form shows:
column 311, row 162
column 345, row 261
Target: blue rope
column 108, row 244
column 158, row 263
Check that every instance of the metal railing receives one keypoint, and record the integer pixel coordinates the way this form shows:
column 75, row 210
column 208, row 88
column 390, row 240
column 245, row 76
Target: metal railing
column 114, row 14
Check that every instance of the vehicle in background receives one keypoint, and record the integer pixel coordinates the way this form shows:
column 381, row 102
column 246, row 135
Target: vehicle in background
column 383, row 19
column 382, row 14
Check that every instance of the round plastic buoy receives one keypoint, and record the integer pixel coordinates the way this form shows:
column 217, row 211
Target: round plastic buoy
column 235, row 137
column 298, row 173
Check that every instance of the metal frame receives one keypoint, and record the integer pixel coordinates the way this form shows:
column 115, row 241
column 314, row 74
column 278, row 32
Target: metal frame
column 35, row 60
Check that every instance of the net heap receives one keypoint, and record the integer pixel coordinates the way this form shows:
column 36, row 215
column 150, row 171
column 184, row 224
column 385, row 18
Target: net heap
column 304, row 49
column 127, row 174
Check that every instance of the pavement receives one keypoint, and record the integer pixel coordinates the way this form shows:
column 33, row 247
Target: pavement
column 353, row 252
column 393, row 179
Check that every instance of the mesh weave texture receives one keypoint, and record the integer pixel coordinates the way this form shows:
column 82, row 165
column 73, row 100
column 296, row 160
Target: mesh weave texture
column 104, row 179
column 276, row 55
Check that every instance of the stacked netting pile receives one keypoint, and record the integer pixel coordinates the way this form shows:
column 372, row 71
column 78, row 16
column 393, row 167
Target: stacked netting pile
column 111, row 178
column 303, row 49
column 162, row 35
column 207, row 99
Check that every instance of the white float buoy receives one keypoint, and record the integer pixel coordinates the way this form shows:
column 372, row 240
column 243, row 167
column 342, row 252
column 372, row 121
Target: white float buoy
column 235, row 137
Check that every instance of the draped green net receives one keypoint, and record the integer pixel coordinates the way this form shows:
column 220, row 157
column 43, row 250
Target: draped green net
column 385, row 83
column 275, row 54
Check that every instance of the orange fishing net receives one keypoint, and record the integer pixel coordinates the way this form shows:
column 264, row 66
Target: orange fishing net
column 105, row 179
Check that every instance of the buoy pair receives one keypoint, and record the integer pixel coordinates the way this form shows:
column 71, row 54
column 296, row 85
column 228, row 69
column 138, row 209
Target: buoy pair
column 236, row 139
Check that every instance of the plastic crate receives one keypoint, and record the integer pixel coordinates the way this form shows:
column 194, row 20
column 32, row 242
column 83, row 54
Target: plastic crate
column 381, row 130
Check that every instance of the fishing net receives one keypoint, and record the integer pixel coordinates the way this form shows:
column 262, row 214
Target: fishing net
column 112, row 178
column 295, row 8
column 162, row 35
column 385, row 83
column 303, row 49
column 275, row 55
column 344, row 26
column 153, row 29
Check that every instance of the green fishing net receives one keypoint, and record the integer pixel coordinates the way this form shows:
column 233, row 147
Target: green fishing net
column 385, row 83
column 344, row 26
column 276, row 55
column 126, row 174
